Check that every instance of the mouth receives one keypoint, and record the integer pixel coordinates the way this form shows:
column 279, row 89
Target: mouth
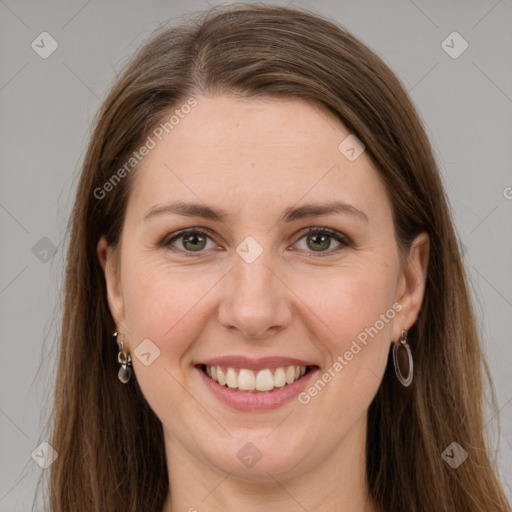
column 264, row 380
column 258, row 389
column 251, row 385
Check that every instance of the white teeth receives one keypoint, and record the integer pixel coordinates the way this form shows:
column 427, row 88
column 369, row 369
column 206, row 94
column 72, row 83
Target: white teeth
column 221, row 378
column 279, row 378
column 290, row 374
column 231, row 378
column 263, row 380
column 246, row 380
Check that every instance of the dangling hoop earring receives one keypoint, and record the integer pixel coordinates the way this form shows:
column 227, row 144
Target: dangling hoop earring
column 123, row 357
column 402, row 343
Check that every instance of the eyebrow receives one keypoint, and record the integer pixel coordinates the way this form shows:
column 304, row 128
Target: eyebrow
column 289, row 215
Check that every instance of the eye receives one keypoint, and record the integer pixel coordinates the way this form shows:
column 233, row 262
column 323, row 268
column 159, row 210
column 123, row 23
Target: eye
column 319, row 239
column 193, row 241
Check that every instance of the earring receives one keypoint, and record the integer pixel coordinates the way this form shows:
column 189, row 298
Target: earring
column 123, row 357
column 402, row 343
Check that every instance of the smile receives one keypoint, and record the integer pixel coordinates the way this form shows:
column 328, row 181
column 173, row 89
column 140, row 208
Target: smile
column 264, row 380
column 262, row 384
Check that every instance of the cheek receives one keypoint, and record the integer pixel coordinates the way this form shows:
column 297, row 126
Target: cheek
column 164, row 304
column 350, row 300
column 354, row 314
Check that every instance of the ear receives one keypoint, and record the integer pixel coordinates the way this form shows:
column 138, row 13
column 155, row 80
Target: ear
column 109, row 262
column 412, row 284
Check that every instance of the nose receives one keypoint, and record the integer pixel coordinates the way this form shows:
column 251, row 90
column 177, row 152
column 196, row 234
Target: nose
column 255, row 302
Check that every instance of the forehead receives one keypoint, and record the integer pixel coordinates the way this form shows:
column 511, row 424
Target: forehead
column 247, row 154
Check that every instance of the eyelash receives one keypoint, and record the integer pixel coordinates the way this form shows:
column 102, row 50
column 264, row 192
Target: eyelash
column 343, row 240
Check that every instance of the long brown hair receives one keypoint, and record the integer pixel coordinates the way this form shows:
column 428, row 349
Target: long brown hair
column 109, row 442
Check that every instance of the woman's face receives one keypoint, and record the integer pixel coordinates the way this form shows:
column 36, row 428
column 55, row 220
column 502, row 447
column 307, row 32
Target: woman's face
column 252, row 293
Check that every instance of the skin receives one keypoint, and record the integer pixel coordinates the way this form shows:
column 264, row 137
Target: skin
column 254, row 158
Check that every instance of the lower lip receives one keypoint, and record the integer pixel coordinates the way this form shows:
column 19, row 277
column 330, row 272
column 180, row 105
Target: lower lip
column 257, row 401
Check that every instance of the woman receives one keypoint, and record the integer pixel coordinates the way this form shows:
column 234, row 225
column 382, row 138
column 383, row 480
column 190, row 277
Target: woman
column 265, row 305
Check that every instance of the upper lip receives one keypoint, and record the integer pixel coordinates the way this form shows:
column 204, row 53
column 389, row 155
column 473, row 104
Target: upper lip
column 255, row 364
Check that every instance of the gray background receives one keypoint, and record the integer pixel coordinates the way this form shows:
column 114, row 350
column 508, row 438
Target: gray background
column 47, row 107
